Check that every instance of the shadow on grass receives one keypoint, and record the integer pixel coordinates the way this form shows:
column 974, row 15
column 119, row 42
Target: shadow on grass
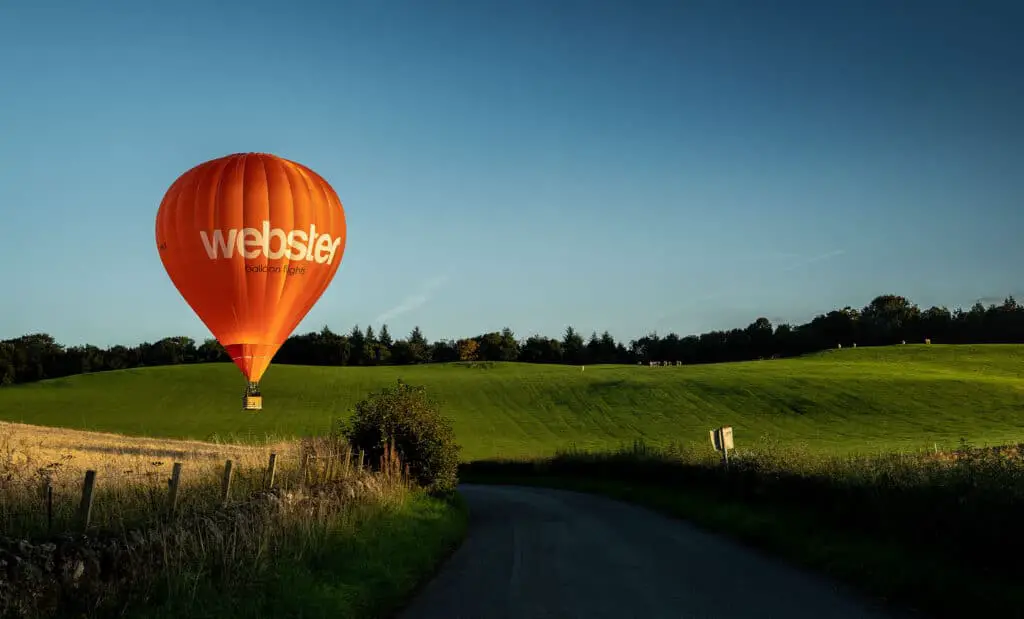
column 935, row 533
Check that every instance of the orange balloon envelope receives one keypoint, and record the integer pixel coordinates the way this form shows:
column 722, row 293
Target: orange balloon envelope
column 251, row 241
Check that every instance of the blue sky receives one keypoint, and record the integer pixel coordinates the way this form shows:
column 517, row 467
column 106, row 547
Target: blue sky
column 631, row 166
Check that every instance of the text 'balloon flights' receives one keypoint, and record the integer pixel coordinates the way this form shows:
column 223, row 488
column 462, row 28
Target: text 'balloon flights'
column 251, row 241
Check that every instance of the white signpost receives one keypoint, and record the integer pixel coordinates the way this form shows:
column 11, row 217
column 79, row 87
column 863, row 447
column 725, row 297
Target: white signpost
column 721, row 440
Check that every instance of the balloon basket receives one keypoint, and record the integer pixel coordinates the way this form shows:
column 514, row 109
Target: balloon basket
column 252, row 400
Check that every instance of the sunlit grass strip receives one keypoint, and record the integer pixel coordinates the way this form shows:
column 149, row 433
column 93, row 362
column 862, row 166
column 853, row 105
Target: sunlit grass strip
column 137, row 559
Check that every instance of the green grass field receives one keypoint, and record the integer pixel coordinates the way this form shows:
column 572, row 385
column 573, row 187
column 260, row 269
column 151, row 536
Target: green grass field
column 867, row 399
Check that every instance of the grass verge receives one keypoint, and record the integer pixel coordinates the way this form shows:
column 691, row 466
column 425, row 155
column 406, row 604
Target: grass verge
column 911, row 577
column 369, row 566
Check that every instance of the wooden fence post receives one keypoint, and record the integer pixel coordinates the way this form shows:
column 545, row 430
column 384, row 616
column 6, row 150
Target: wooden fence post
column 85, row 507
column 271, row 470
column 172, row 488
column 225, row 489
column 328, row 471
column 49, row 505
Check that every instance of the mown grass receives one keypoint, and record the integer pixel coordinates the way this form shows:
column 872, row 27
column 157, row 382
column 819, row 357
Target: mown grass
column 847, row 486
column 335, row 538
column 934, row 532
column 851, row 400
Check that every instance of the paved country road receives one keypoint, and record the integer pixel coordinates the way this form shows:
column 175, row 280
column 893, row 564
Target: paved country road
column 537, row 552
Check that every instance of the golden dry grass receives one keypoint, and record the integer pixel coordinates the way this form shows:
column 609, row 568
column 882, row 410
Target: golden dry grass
column 132, row 474
column 135, row 538
column 27, row 446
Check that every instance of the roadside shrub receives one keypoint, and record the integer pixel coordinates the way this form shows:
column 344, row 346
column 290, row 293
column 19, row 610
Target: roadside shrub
column 424, row 439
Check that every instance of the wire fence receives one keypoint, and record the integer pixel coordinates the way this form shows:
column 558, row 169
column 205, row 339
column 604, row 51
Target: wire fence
column 55, row 498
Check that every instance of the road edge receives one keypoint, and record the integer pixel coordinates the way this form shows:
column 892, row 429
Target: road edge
column 899, row 581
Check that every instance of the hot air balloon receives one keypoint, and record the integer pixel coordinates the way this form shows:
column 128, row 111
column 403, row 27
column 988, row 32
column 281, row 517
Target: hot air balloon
column 251, row 241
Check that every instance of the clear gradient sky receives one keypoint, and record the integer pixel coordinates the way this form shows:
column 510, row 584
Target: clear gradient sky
column 630, row 166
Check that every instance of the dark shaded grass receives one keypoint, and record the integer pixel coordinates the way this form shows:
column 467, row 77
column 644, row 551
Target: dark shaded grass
column 935, row 533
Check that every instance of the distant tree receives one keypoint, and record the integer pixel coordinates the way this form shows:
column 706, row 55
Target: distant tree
column 592, row 349
column 887, row 319
column 385, row 337
column 607, row 351
column 171, row 351
column 371, row 347
column 622, row 355
column 211, row 351
column 444, row 351
column 539, row 349
column 488, row 346
column 357, row 340
column 509, row 346
column 401, row 353
column 468, row 349
column 419, row 348
column 572, row 346
column 936, row 323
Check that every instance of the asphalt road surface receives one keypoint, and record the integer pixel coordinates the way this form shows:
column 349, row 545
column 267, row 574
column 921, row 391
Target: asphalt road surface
column 536, row 552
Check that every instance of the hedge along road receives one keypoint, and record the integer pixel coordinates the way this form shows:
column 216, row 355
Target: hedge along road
column 538, row 552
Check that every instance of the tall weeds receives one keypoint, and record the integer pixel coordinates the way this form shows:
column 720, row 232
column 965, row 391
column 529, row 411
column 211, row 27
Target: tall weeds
column 137, row 554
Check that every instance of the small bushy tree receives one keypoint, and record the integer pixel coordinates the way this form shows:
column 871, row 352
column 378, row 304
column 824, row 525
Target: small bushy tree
column 423, row 438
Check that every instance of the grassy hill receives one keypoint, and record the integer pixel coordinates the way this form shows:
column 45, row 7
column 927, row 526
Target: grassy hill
column 867, row 399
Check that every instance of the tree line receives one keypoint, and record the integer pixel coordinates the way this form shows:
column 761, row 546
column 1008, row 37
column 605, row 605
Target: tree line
column 887, row 319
